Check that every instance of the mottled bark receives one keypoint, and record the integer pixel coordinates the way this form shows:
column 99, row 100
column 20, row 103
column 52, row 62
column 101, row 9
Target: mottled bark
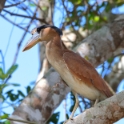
column 43, row 99
column 105, row 112
column 48, row 93
column 104, row 43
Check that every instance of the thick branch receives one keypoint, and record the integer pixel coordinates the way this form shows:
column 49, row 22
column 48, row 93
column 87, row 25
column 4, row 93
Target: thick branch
column 41, row 102
column 105, row 112
column 104, row 43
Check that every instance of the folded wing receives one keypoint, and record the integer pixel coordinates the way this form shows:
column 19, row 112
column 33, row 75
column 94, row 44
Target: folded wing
column 84, row 71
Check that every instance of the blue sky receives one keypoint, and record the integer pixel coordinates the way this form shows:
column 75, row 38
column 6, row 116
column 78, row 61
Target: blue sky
column 28, row 61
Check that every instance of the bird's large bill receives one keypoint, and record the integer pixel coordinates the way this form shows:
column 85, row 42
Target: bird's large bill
column 34, row 40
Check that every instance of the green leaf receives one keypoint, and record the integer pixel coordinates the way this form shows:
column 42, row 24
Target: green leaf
column 14, row 84
column 2, row 86
column 67, row 116
column 12, row 69
column 7, row 122
column 119, row 3
column 2, row 74
column 44, row 8
column 77, row 2
column 96, row 18
column 14, row 97
column 110, row 60
column 108, row 8
column 54, row 118
column 67, row 19
column 20, row 93
column 5, row 116
column 32, row 4
column 9, row 93
column 28, row 89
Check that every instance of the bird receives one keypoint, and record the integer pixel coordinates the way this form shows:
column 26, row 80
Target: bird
column 77, row 72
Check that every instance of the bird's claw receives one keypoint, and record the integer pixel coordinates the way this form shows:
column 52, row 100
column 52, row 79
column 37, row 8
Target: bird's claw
column 70, row 119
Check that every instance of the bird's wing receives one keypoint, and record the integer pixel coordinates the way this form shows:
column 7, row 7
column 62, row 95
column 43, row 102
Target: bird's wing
column 84, row 71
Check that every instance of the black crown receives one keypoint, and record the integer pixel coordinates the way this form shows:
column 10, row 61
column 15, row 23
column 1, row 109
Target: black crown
column 46, row 26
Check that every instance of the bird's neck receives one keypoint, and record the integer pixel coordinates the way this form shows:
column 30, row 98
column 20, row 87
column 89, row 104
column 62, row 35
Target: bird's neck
column 56, row 44
column 55, row 49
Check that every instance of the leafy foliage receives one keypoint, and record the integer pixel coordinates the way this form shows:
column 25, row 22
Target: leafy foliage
column 10, row 94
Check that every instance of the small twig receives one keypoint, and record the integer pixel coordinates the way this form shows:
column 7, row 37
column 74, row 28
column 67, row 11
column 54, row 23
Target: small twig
column 25, row 16
column 79, row 106
column 67, row 13
column 120, row 54
column 14, row 4
column 110, row 64
column 9, row 37
column 86, row 104
column 19, row 44
column 6, row 80
column 13, row 119
column 2, row 60
column 15, row 24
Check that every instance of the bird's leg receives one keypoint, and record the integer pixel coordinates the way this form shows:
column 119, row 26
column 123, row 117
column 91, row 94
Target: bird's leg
column 97, row 100
column 75, row 106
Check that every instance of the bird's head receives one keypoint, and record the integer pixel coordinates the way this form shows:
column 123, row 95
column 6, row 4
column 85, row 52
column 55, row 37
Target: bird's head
column 42, row 33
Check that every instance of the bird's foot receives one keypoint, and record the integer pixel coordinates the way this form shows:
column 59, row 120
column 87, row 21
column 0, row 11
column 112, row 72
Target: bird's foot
column 70, row 119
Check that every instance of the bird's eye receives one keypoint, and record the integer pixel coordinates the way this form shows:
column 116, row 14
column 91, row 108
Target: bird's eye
column 33, row 31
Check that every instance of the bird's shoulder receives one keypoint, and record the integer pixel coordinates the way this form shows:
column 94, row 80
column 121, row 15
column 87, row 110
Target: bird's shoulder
column 78, row 65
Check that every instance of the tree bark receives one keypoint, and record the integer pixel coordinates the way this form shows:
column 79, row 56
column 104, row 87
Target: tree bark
column 48, row 93
column 39, row 105
column 105, row 112
column 103, row 44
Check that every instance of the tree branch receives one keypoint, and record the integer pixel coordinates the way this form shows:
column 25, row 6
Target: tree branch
column 105, row 112
column 16, row 4
column 30, row 17
column 15, row 23
column 104, row 43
